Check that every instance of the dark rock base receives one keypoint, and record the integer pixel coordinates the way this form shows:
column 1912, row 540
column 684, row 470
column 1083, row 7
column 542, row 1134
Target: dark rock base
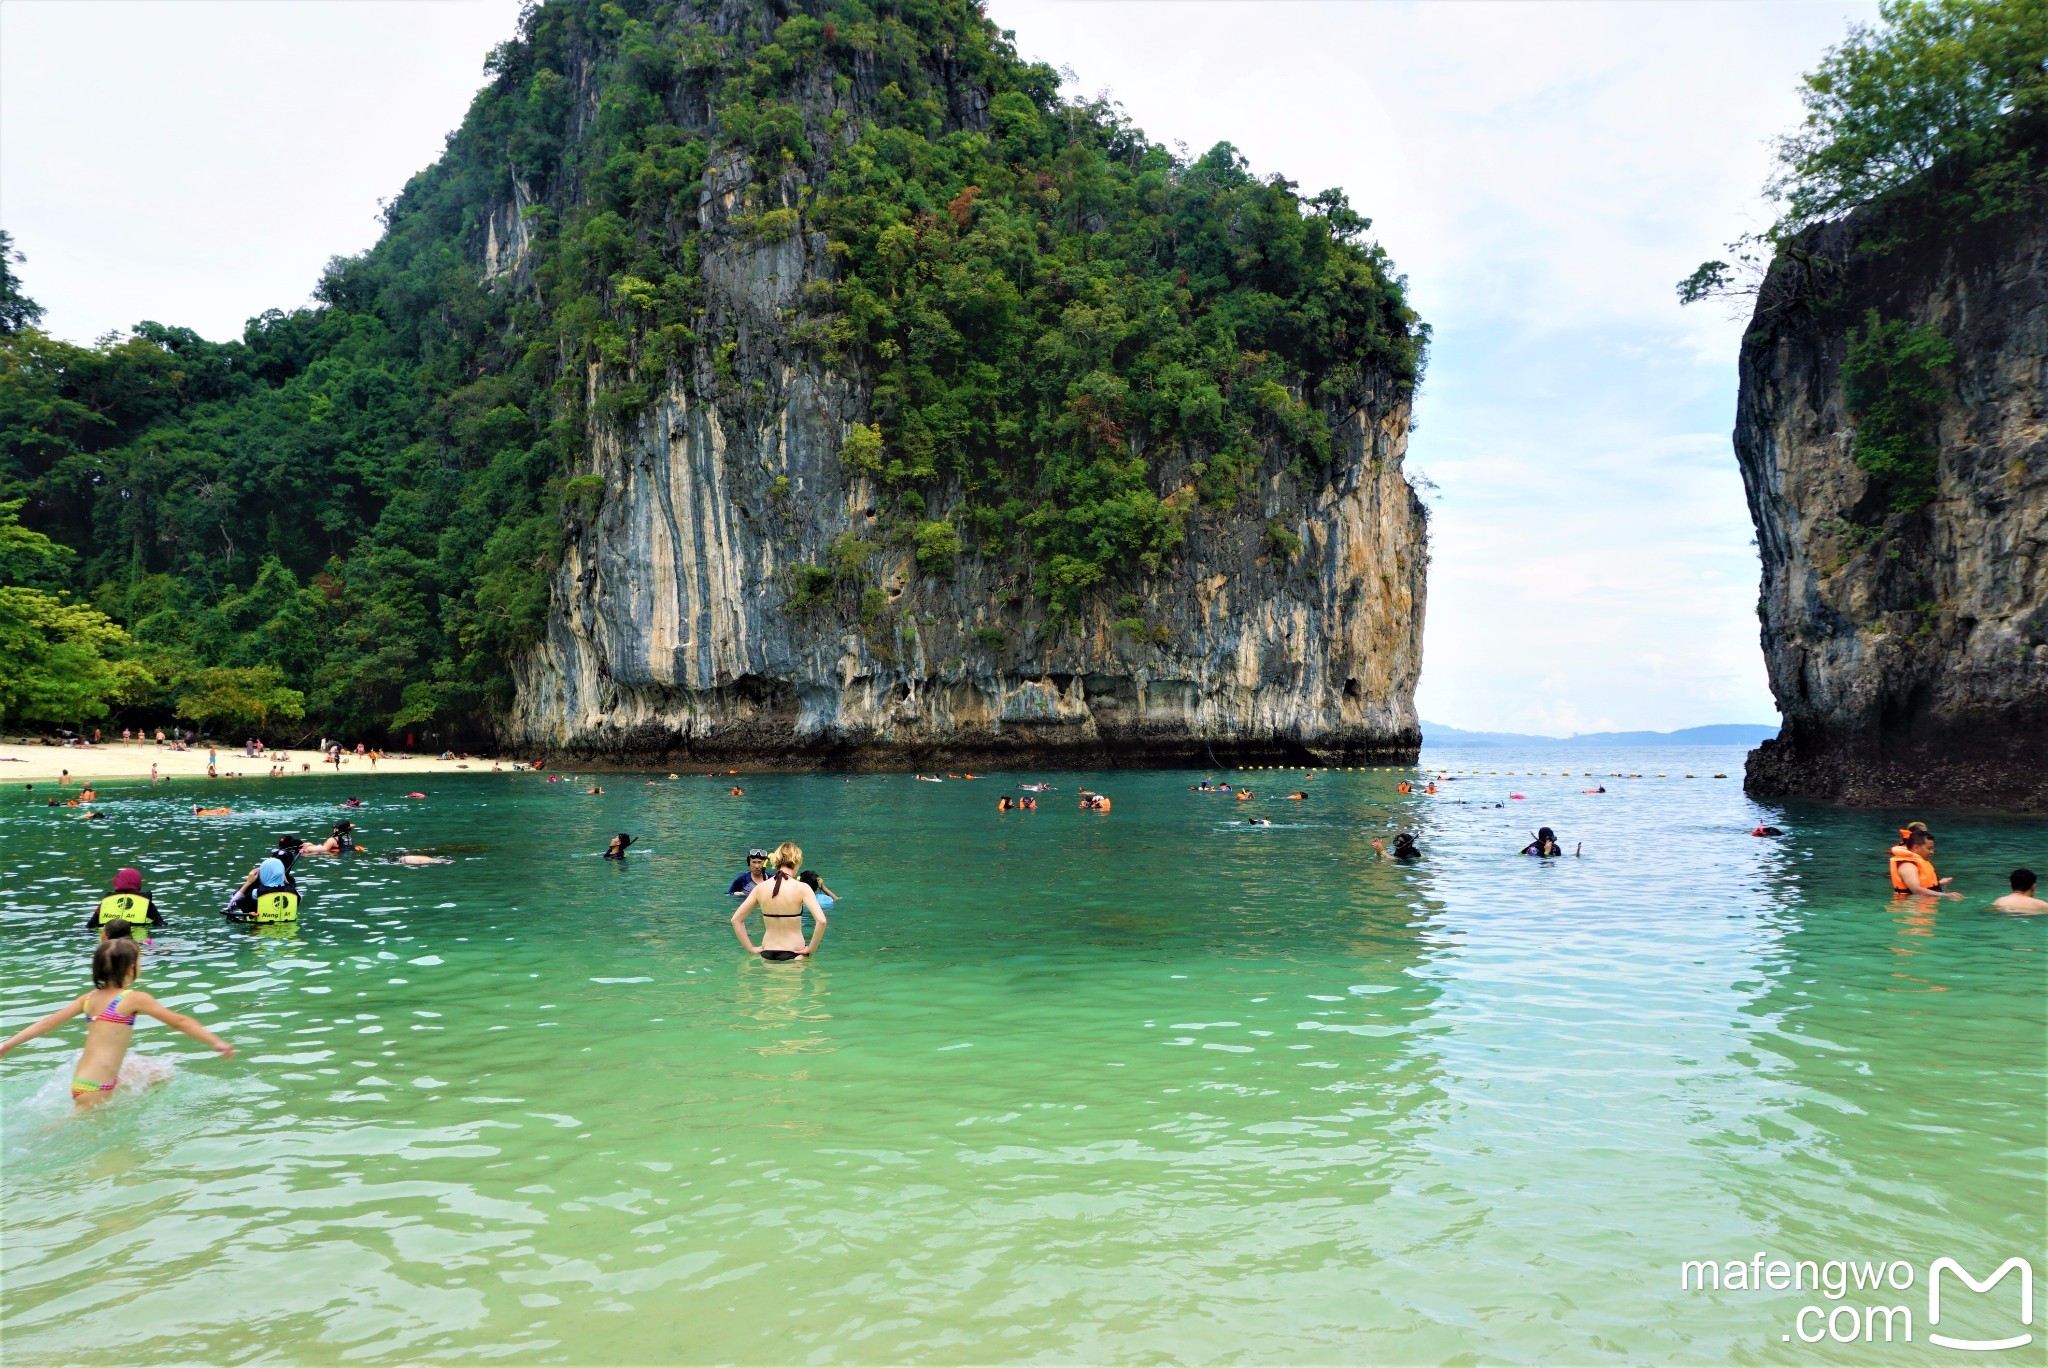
column 642, row 752
column 2008, row 774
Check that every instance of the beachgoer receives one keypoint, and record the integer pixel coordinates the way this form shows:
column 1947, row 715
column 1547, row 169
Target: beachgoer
column 1258, row 821
column 1244, row 795
column 1404, row 787
column 1912, row 864
column 617, row 849
column 1002, row 805
column 595, row 789
column 1601, row 789
column 757, row 870
column 110, row 1010
column 1404, row 847
column 2021, row 899
column 343, row 841
column 816, row 881
column 1545, row 845
column 269, row 876
column 735, row 792
column 782, row 901
column 1028, row 804
column 1767, row 831
column 127, row 903
column 421, row 859
column 1296, row 797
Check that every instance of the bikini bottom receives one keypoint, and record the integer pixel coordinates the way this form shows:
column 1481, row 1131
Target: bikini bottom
column 779, row 956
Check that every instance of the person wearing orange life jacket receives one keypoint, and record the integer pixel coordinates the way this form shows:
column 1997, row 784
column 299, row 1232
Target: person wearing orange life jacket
column 1912, row 864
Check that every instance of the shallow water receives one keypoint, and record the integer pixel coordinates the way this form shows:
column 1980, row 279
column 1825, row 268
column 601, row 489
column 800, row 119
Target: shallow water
column 1144, row 1085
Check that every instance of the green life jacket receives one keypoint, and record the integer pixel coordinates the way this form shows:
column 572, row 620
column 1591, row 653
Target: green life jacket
column 127, row 907
column 276, row 905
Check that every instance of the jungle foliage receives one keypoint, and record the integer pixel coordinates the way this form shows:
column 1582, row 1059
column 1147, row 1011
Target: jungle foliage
column 358, row 505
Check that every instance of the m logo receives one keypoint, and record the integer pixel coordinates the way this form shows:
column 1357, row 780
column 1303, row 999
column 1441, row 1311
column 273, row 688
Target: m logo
column 2026, row 1272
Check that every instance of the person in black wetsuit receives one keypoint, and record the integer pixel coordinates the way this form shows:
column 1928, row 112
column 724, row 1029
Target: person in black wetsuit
column 617, row 849
column 1545, row 845
column 1404, row 850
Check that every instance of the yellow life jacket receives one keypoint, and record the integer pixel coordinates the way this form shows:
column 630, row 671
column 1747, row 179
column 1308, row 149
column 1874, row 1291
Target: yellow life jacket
column 127, row 907
column 276, row 905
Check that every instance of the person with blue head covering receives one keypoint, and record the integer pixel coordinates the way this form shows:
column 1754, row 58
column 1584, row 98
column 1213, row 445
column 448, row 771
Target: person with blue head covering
column 269, row 876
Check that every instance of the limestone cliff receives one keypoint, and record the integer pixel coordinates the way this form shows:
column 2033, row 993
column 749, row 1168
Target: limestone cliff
column 1908, row 649
column 707, row 606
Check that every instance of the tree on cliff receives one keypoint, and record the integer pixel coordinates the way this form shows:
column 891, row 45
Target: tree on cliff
column 1943, row 98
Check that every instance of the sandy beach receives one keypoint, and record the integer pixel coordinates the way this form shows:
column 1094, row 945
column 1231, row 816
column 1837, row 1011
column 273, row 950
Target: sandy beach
column 116, row 760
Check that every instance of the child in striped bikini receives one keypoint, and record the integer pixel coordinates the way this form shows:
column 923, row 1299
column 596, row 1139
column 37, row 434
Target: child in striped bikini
column 110, row 1010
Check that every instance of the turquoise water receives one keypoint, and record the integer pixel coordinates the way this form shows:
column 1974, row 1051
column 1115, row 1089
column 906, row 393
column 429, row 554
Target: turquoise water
column 1137, row 1086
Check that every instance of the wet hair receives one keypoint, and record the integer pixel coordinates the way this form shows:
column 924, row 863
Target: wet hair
column 117, row 929
column 114, row 962
column 809, row 878
column 2023, row 881
column 1404, row 846
column 789, row 854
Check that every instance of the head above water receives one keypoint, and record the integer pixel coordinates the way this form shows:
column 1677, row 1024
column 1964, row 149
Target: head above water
column 2023, row 881
column 116, row 929
column 344, row 827
column 789, row 855
column 128, row 881
column 1404, row 844
column 1546, row 835
column 756, row 856
column 270, row 873
column 115, row 963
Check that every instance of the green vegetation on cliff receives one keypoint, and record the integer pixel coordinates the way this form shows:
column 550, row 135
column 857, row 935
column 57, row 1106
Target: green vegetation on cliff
column 353, row 512
column 1941, row 103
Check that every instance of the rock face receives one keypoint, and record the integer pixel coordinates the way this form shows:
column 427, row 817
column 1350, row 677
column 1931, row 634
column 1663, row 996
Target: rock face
column 674, row 634
column 689, row 621
column 1908, row 651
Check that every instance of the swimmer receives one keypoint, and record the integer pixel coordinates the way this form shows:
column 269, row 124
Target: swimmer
column 1028, row 804
column 594, row 789
column 929, row 779
column 92, row 816
column 110, row 1010
column 269, row 876
column 198, row 811
column 757, row 870
column 734, row 792
column 1431, row 788
column 1258, row 821
column 415, row 794
column 1545, row 846
column 674, row 776
column 127, row 905
column 342, row 842
column 1244, row 795
column 1601, row 789
column 1296, row 797
column 1404, row 787
column 353, row 803
column 617, row 849
column 1912, row 864
column 1767, row 831
column 782, row 902
column 118, row 930
column 1093, row 802
column 1003, row 805
column 1404, row 848
column 816, row 883
column 2021, row 899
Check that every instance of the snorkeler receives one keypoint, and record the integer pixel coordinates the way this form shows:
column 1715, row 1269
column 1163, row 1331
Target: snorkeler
column 1545, row 846
column 127, row 904
column 1912, row 864
column 2021, row 899
column 1003, row 805
column 782, row 901
column 342, row 842
column 108, row 1028
column 1404, row 847
column 1258, row 821
column 269, row 876
column 757, row 870
column 617, row 849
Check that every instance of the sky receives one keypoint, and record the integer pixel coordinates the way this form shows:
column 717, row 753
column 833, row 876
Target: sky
column 1543, row 174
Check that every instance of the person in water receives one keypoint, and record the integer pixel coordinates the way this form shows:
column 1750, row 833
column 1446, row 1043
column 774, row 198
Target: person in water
column 269, row 876
column 110, row 1010
column 1404, row 847
column 757, row 870
column 1912, row 864
column 816, row 882
column 617, row 849
column 342, row 841
column 1003, row 805
column 782, row 902
column 2021, row 899
column 1545, row 845
column 1297, row 797
column 127, row 904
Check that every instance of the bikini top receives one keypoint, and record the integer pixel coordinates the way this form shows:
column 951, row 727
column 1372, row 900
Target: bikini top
column 107, row 1013
column 774, row 891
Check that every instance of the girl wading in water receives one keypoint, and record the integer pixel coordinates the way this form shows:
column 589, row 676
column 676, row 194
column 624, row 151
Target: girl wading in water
column 110, row 1010
column 782, row 900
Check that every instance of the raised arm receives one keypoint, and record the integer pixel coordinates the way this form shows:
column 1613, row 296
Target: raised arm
column 46, row 1025
column 817, row 921
column 178, row 1021
column 739, row 918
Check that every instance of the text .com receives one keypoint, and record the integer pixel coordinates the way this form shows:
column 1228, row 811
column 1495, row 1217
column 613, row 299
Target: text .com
column 1864, row 1296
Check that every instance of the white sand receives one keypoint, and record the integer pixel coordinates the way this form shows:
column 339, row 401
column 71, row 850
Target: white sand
column 132, row 759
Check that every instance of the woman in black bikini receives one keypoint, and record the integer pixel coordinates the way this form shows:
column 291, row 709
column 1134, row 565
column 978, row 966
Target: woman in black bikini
column 782, row 900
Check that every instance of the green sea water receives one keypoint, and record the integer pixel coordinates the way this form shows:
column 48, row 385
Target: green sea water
column 1149, row 1085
